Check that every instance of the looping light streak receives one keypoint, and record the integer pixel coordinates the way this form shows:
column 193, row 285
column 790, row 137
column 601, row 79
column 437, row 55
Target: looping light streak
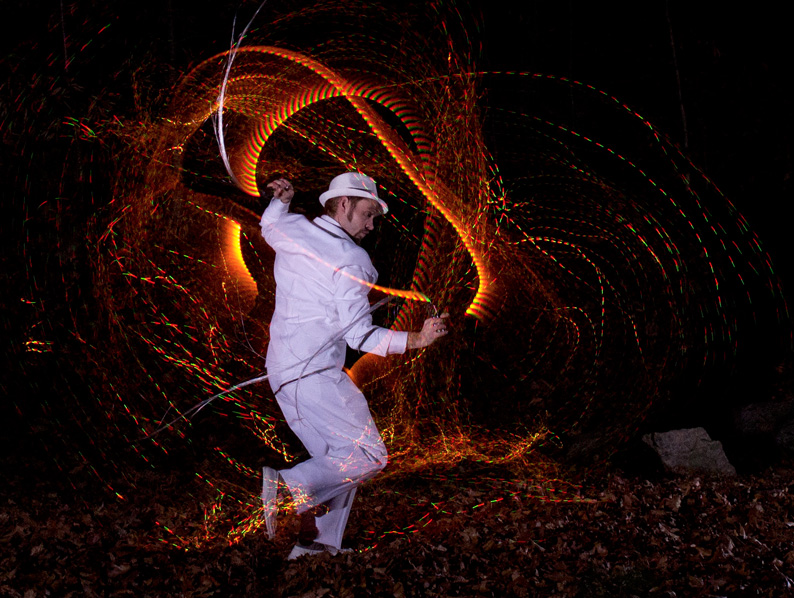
column 334, row 85
column 598, row 261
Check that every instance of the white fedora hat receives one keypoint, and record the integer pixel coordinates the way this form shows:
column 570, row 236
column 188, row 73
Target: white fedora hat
column 353, row 184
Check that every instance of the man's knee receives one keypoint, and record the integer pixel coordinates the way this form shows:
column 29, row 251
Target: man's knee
column 381, row 463
column 375, row 460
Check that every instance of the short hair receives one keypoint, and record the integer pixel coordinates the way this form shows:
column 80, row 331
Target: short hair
column 332, row 205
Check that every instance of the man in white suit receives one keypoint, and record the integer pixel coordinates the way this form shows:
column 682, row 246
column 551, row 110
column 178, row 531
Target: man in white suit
column 322, row 280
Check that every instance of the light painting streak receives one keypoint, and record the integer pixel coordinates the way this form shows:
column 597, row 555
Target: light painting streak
column 589, row 266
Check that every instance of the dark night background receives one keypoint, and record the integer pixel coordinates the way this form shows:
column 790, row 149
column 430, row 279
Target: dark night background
column 727, row 70
column 715, row 79
column 712, row 78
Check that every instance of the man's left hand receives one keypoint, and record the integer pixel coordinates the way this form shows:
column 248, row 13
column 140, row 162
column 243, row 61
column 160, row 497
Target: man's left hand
column 432, row 330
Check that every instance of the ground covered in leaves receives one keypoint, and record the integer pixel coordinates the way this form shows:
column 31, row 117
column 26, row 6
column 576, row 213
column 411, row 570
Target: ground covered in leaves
column 467, row 531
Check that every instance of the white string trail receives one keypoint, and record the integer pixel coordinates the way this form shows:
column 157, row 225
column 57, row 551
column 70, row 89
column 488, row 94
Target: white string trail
column 187, row 415
column 217, row 120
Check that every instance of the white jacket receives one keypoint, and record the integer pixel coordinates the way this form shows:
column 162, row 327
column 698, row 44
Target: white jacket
column 322, row 283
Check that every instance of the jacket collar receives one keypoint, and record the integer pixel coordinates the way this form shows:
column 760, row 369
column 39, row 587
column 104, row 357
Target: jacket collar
column 332, row 227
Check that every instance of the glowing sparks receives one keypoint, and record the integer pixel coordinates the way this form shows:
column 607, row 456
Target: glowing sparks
column 262, row 98
column 585, row 266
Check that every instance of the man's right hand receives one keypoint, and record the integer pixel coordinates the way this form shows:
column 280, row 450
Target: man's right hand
column 282, row 190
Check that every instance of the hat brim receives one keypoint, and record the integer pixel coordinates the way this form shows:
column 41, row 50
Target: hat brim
column 331, row 193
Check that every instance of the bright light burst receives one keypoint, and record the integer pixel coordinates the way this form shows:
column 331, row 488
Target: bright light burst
column 586, row 264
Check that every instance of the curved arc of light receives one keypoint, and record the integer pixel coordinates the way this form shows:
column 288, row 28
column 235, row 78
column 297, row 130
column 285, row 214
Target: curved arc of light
column 247, row 182
column 356, row 95
column 231, row 248
column 218, row 122
column 233, row 254
column 671, row 149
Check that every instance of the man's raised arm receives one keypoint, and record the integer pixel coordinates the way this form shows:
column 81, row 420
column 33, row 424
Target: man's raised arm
column 279, row 205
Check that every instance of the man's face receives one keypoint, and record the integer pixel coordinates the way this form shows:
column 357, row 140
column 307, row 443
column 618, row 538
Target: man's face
column 357, row 218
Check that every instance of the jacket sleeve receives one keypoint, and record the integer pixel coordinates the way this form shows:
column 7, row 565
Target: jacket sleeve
column 273, row 212
column 352, row 287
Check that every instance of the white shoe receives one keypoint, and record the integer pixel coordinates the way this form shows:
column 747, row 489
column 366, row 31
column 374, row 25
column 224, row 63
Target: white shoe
column 315, row 548
column 270, row 499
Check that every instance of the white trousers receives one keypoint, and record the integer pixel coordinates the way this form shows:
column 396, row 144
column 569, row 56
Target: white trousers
column 331, row 418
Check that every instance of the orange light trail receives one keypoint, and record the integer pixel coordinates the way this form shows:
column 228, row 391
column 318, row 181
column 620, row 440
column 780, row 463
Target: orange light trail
column 234, row 258
column 598, row 261
column 357, row 94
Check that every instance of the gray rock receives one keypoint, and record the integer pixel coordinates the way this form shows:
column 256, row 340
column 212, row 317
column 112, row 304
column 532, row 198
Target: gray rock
column 690, row 451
